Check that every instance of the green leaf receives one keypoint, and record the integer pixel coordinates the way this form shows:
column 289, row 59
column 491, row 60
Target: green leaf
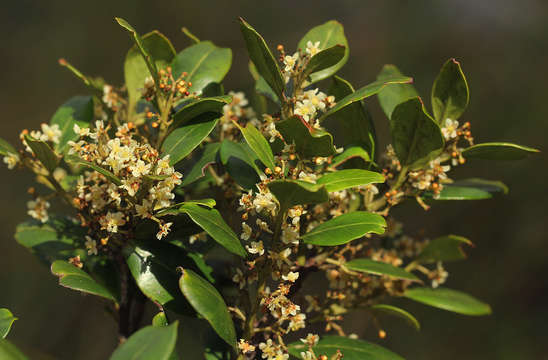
column 352, row 124
column 258, row 144
column 6, row 320
column 328, row 34
column 77, row 111
column 450, row 94
column 8, row 351
column 149, row 342
column 43, row 153
column 345, row 228
column 204, row 63
column 74, row 278
column 350, row 153
column 160, row 320
column 325, row 59
column 444, row 248
column 349, row 178
column 380, row 268
column 352, row 349
column 239, row 161
column 181, row 141
column 396, row 311
column 199, row 107
column 417, row 138
column 151, row 52
column 207, row 301
column 261, row 86
column 263, row 59
column 450, row 300
column 309, row 142
column 392, row 96
column 6, row 148
column 470, row 189
column 212, row 222
column 290, row 193
column 498, row 151
column 109, row 175
column 207, row 158
column 364, row 92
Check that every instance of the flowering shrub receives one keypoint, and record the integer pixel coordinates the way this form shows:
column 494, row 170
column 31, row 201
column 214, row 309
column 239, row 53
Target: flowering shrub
column 234, row 210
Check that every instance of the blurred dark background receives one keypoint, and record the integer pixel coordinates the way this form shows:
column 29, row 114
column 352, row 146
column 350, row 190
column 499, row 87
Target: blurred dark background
column 503, row 48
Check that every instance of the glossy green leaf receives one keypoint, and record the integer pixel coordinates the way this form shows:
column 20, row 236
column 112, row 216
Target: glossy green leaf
column 207, row 302
column 212, row 222
column 345, row 228
column 204, row 63
column 392, row 96
column 309, row 142
column 380, row 268
column 6, row 321
column 349, row 178
column 364, row 92
column 470, row 189
column 444, row 248
column 325, row 59
column 239, row 161
column 498, row 151
column 77, row 279
column 290, row 193
column 149, row 342
column 207, row 158
column 351, row 152
column 450, row 93
column 43, row 153
column 328, row 34
column 8, row 351
column 258, row 144
column 109, row 175
column 448, row 299
column 416, row 137
column 181, row 141
column 352, row 349
column 199, row 107
column 160, row 320
column 6, row 148
column 158, row 52
column 396, row 311
column 77, row 111
column 262, row 58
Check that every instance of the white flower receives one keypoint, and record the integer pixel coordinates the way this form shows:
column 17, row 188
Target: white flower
column 271, row 130
column 91, row 245
column 263, row 226
column 11, row 160
column 140, row 169
column 80, row 131
column 311, row 339
column 290, row 61
column 312, row 48
column 316, row 98
column 144, row 210
column 164, row 230
column 290, row 235
column 291, row 276
column 163, row 167
column 76, row 147
column 38, row 209
column 307, row 355
column 256, row 247
column 449, row 129
column 264, row 201
column 246, row 231
column 245, row 347
column 50, row 133
column 308, row 177
column 305, row 109
column 111, row 221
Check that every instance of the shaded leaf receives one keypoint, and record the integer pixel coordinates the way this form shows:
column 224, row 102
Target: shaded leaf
column 77, row 279
column 470, row 189
column 450, row 94
column 199, row 107
column 261, row 86
column 6, row 148
column 345, row 228
column 239, row 161
column 349, row 178
column 8, row 351
column 444, row 248
column 290, row 193
column 207, row 158
column 309, row 142
column 150, row 342
column 396, row 311
column 77, row 111
column 109, row 175
column 448, row 299
column 43, row 153
column 325, row 59
column 392, row 96
column 6, row 321
column 498, row 151
column 350, row 153
column 380, row 268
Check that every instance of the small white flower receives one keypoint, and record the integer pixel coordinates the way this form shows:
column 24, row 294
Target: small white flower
column 80, row 131
column 11, row 160
column 164, row 230
column 91, row 245
column 308, row 177
column 50, row 133
column 263, row 226
column 144, row 210
column 449, row 129
column 290, row 61
column 38, row 209
column 264, row 201
column 246, row 231
column 291, row 276
column 256, row 247
column 111, row 221
column 312, row 48
column 140, row 169
column 290, row 235
column 305, row 109
column 163, row 167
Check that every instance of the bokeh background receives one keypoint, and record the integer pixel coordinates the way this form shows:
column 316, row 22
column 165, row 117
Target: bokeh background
column 503, row 48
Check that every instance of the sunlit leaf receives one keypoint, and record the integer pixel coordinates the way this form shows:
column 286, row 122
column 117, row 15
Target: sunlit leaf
column 349, row 178
column 392, row 96
column 450, row 93
column 150, row 342
column 450, row 300
column 74, row 278
column 6, row 321
column 498, row 151
column 380, row 268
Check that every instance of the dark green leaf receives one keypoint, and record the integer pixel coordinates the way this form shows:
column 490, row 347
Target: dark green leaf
column 350, row 153
column 149, row 342
column 6, row 148
column 396, row 311
column 261, row 86
column 262, row 58
column 345, row 228
column 498, row 151
column 309, row 142
column 207, row 158
column 181, row 141
column 450, row 300
column 109, row 175
column 8, row 351
column 445, row 248
column 6, row 320
column 470, row 189
column 450, row 92
column 328, row 34
column 349, row 178
column 74, row 278
column 239, row 161
column 352, row 349
column 258, row 144
column 43, row 153
column 290, row 193
column 392, row 96
column 207, row 301
column 417, row 138
column 380, row 268
column 77, row 111
column 325, row 59
column 199, row 107
column 212, row 222
column 204, row 63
